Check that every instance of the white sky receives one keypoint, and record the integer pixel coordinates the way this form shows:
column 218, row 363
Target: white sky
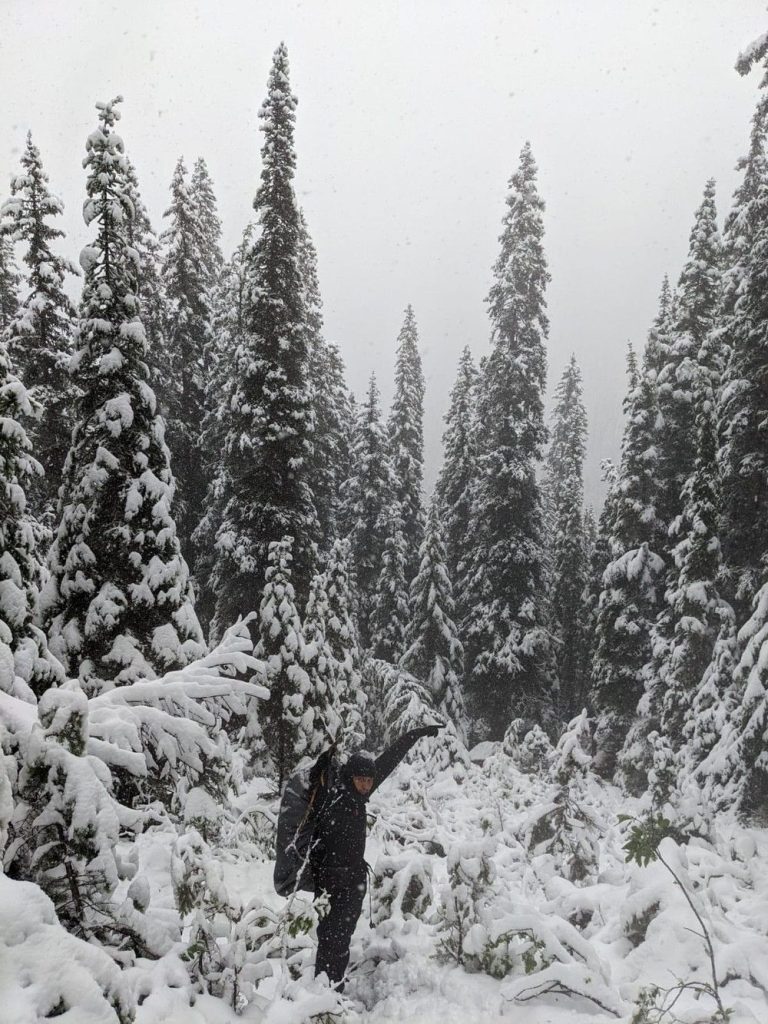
column 411, row 118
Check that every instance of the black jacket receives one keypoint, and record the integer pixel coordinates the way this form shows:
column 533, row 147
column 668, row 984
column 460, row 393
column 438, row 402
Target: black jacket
column 338, row 838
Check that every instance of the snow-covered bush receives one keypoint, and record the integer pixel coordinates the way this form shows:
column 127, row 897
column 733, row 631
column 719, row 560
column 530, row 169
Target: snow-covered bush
column 535, row 750
column 527, row 745
column 215, row 952
column 532, row 948
column 548, row 955
column 401, row 887
column 72, row 756
column 160, row 737
column 231, row 946
column 48, row 973
column 566, row 824
column 464, row 901
column 513, row 737
column 66, row 822
column 203, row 814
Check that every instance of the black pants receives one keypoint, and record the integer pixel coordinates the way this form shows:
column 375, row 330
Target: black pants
column 334, row 931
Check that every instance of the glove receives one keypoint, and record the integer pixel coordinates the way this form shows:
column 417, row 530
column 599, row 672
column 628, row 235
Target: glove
column 427, row 730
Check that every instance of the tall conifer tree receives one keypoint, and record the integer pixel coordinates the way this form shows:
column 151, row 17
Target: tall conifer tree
column 229, row 306
column 508, row 652
column 269, row 443
column 26, row 666
column 390, row 609
column 369, row 492
column 456, row 476
column 434, row 653
column 119, row 604
column 631, row 594
column 688, row 626
column 690, row 323
column 568, row 548
column 341, row 636
column 330, row 401
column 186, row 280
column 406, row 439
column 154, row 312
column 737, row 763
column 601, row 552
column 40, row 334
column 743, row 400
column 207, row 218
column 698, row 613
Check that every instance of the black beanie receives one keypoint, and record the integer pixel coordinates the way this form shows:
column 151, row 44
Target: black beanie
column 359, row 764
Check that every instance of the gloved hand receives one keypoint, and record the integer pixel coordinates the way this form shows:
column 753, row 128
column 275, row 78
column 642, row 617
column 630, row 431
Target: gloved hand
column 428, row 730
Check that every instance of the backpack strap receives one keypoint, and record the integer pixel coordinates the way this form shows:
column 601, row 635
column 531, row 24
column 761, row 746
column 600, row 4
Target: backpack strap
column 315, row 789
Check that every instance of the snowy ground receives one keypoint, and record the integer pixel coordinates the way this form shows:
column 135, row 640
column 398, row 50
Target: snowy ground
column 606, row 936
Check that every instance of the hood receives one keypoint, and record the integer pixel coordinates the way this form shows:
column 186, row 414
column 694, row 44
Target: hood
column 359, row 764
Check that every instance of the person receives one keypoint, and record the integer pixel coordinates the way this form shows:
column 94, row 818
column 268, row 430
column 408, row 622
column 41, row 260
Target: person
column 337, row 853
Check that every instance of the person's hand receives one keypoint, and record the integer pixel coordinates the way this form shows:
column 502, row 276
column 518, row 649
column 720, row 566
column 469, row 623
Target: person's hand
column 428, row 730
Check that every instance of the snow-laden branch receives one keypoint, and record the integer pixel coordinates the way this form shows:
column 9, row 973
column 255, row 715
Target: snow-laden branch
column 753, row 53
column 169, row 720
column 162, row 724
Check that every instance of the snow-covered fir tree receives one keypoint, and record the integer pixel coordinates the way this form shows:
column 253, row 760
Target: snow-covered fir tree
column 330, row 401
column 739, row 756
column 742, row 411
column 434, row 653
column 269, row 441
column 509, row 660
column 698, row 612
column 406, row 439
column 322, row 713
column 456, row 476
column 285, row 725
column 341, row 637
column 657, row 345
column 346, row 463
column 73, row 822
column 391, row 611
column 154, row 313
column 228, row 311
column 118, row 605
column 630, row 597
column 26, row 667
column 687, row 630
column 712, row 706
column 185, row 279
column 600, row 554
column 368, row 495
column 738, row 759
column 10, row 280
column 568, row 549
column 692, row 319
column 40, row 334
column 207, row 217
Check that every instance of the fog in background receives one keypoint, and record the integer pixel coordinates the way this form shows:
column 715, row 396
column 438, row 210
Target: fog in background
column 411, row 118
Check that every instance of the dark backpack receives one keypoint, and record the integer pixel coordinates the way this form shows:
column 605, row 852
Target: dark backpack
column 303, row 795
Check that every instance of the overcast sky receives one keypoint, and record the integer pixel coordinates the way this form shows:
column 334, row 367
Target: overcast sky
column 411, row 118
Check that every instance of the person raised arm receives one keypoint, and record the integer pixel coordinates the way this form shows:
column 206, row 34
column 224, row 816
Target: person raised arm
column 386, row 763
